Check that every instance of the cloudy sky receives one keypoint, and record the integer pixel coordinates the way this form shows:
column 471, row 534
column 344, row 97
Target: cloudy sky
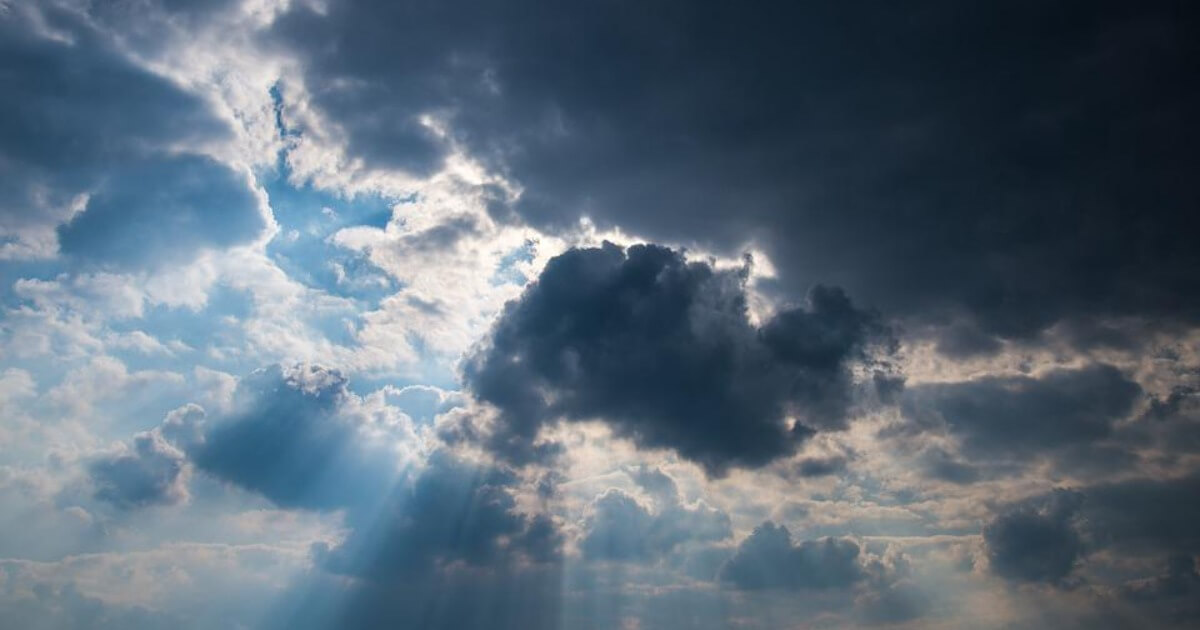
column 531, row 315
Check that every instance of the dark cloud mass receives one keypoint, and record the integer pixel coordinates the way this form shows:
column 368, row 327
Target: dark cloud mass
column 1018, row 416
column 662, row 350
column 767, row 559
column 1015, row 163
column 1037, row 540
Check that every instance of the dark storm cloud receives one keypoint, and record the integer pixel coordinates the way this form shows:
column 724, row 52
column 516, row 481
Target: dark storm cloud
column 89, row 122
column 151, row 473
column 1011, row 163
column 1022, row 415
column 1037, row 540
column 767, row 559
column 663, row 351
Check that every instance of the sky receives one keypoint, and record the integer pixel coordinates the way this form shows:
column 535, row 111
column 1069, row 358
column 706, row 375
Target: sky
column 599, row 314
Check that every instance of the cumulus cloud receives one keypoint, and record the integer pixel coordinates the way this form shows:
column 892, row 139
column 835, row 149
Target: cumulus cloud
column 152, row 472
column 619, row 527
column 290, row 439
column 299, row 437
column 768, row 559
column 1037, row 540
column 662, row 350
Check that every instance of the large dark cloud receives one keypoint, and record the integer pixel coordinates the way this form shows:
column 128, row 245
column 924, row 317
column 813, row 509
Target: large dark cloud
column 1037, row 540
column 83, row 126
column 1045, row 537
column 767, row 559
column 663, row 351
column 1016, row 163
column 1017, row 416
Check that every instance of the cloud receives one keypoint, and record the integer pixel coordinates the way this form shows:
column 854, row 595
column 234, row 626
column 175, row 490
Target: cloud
column 662, row 350
column 895, row 167
column 1145, row 514
column 300, row 438
column 1172, row 595
column 452, row 512
column 153, row 472
column 767, row 559
column 821, row 466
column 290, row 440
column 107, row 153
column 163, row 210
column 51, row 607
column 1037, row 540
column 1018, row 416
column 620, row 528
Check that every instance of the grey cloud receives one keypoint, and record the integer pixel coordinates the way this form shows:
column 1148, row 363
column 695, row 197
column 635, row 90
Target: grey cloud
column 894, row 603
column 453, row 511
column 1037, row 540
column 620, row 528
column 821, row 466
column 938, row 464
column 663, row 351
column 151, row 473
column 162, row 210
column 79, row 121
column 1009, row 165
column 767, row 559
column 290, row 439
column 1173, row 595
column 1146, row 514
column 1021, row 415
